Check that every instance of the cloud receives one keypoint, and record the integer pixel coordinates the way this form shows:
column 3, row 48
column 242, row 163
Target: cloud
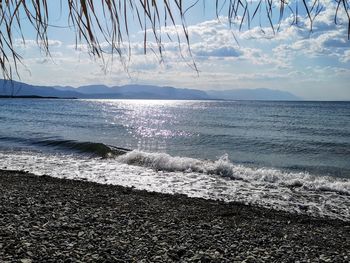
column 327, row 40
column 345, row 57
column 292, row 59
column 215, row 51
column 42, row 60
column 31, row 43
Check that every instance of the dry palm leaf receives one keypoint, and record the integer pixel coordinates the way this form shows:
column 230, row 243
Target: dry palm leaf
column 108, row 21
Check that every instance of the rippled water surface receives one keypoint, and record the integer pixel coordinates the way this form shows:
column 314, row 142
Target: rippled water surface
column 282, row 154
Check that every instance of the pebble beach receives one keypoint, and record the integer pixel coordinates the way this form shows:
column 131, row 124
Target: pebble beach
column 44, row 219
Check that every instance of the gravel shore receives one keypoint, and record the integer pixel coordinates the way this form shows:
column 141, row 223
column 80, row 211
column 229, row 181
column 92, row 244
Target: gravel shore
column 43, row 219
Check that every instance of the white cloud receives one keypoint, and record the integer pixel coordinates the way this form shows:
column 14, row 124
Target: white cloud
column 292, row 59
column 345, row 57
column 31, row 43
column 215, row 51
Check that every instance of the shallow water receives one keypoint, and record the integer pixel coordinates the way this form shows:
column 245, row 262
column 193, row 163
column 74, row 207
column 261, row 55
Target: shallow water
column 292, row 156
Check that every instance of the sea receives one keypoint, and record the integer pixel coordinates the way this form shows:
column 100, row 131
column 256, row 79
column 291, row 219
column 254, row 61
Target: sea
column 289, row 156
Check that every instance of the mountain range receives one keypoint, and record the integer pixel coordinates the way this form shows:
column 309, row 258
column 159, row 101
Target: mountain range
column 19, row 89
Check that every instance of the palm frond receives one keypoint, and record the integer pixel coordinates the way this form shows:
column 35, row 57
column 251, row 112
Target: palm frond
column 95, row 22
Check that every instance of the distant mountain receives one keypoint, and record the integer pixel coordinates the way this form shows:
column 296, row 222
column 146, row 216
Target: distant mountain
column 138, row 92
column 90, row 89
column 14, row 88
column 252, row 94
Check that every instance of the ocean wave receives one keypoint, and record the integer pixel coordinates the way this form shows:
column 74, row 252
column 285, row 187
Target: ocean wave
column 225, row 168
column 93, row 149
column 217, row 180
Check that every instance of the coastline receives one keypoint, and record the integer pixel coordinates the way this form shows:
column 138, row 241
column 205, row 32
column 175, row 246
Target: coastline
column 49, row 219
column 35, row 97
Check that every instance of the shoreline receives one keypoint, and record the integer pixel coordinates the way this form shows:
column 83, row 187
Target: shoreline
column 35, row 97
column 45, row 219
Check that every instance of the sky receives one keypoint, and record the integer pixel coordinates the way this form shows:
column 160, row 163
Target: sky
column 312, row 65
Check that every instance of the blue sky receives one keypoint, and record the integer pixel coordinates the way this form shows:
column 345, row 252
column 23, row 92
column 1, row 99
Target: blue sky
column 311, row 65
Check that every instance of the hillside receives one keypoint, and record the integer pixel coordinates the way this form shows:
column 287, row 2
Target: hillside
column 19, row 89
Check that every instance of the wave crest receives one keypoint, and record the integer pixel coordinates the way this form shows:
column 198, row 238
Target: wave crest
column 225, row 168
column 88, row 148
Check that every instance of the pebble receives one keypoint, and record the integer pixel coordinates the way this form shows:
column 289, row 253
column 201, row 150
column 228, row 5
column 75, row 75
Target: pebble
column 73, row 221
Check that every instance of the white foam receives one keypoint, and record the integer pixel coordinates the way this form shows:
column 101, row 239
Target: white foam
column 223, row 167
column 220, row 179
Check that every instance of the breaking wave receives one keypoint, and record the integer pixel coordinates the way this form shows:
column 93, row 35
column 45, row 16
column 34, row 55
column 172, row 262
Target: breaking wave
column 93, row 149
column 218, row 180
column 223, row 167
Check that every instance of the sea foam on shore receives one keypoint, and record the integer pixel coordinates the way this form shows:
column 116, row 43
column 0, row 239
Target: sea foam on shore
column 219, row 180
column 45, row 218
